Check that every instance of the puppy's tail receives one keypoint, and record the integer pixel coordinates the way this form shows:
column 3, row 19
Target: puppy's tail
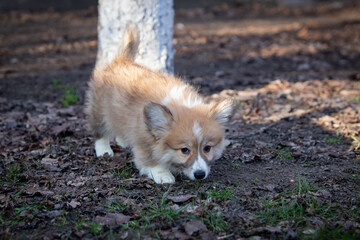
column 130, row 42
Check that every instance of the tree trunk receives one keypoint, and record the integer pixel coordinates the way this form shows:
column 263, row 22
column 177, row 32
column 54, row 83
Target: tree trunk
column 154, row 18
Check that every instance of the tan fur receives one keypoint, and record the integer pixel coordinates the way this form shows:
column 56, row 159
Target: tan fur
column 117, row 101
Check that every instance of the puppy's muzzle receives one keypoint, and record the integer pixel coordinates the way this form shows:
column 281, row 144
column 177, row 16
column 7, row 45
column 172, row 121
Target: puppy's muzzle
column 198, row 170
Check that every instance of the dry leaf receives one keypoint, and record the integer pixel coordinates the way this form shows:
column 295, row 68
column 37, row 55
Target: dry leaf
column 111, row 219
column 194, row 227
column 49, row 162
column 181, row 198
column 74, row 204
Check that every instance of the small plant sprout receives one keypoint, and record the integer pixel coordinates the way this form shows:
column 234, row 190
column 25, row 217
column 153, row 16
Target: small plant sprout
column 164, row 210
column 31, row 209
column 335, row 233
column 332, row 140
column 255, row 181
column 117, row 206
column 80, row 224
column 193, row 186
column 285, row 209
column 303, row 186
column 95, row 228
column 157, row 211
column 215, row 221
column 235, row 165
column 13, row 173
column 356, row 143
column 240, row 104
column 356, row 99
column 125, row 172
column 69, row 93
column 220, row 194
column 284, row 154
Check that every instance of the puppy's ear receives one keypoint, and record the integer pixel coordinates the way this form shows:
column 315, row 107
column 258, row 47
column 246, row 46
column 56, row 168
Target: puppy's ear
column 158, row 119
column 222, row 111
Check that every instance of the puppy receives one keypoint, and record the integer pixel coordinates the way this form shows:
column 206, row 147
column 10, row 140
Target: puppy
column 163, row 120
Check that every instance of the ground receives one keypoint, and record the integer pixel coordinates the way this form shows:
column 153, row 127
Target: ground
column 291, row 168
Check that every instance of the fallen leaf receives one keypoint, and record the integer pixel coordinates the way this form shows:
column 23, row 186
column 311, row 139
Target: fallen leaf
column 119, row 217
column 247, row 157
column 181, row 198
column 53, row 214
column 78, row 182
column 270, row 187
column 49, row 162
column 247, row 218
column 34, row 188
column 180, row 235
column 348, row 225
column 74, row 203
column 111, row 219
column 267, row 229
column 59, row 129
column 309, row 231
column 195, row 227
column 322, row 193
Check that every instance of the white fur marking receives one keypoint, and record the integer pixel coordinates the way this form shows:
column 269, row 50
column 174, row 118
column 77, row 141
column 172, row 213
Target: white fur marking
column 102, row 146
column 197, row 131
column 159, row 174
column 174, row 94
column 192, row 101
column 177, row 93
column 199, row 164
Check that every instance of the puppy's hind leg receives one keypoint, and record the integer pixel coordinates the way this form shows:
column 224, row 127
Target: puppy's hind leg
column 102, row 146
column 120, row 142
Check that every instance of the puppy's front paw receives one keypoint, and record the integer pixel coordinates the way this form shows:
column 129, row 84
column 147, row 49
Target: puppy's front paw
column 102, row 152
column 164, row 178
column 102, row 147
column 160, row 175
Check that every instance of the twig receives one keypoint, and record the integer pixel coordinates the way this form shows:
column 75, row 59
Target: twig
column 226, row 236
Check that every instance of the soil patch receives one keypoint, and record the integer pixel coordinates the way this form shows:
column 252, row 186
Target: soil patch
column 292, row 164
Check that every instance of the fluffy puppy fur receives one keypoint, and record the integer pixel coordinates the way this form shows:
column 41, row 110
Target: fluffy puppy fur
column 162, row 119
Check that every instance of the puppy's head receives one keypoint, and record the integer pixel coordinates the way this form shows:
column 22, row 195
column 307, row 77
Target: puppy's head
column 189, row 139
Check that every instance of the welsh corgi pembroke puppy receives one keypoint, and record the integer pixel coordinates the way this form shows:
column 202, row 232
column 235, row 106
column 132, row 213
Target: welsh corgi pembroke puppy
column 168, row 126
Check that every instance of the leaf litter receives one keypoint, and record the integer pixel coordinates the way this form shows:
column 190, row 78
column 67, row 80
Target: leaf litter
column 297, row 115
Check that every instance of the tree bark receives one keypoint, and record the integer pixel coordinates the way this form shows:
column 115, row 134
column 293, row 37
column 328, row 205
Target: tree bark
column 154, row 18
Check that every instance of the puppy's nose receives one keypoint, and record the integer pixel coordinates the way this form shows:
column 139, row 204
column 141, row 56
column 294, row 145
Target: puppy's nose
column 199, row 174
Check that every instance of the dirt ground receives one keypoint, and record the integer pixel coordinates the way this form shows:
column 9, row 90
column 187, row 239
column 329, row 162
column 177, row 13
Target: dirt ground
column 291, row 169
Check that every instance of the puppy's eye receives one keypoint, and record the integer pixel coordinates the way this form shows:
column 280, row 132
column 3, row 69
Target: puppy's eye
column 185, row 151
column 207, row 149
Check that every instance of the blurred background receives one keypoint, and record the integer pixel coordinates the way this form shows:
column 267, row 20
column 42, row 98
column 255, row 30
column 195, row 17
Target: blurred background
column 232, row 44
column 8, row 5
